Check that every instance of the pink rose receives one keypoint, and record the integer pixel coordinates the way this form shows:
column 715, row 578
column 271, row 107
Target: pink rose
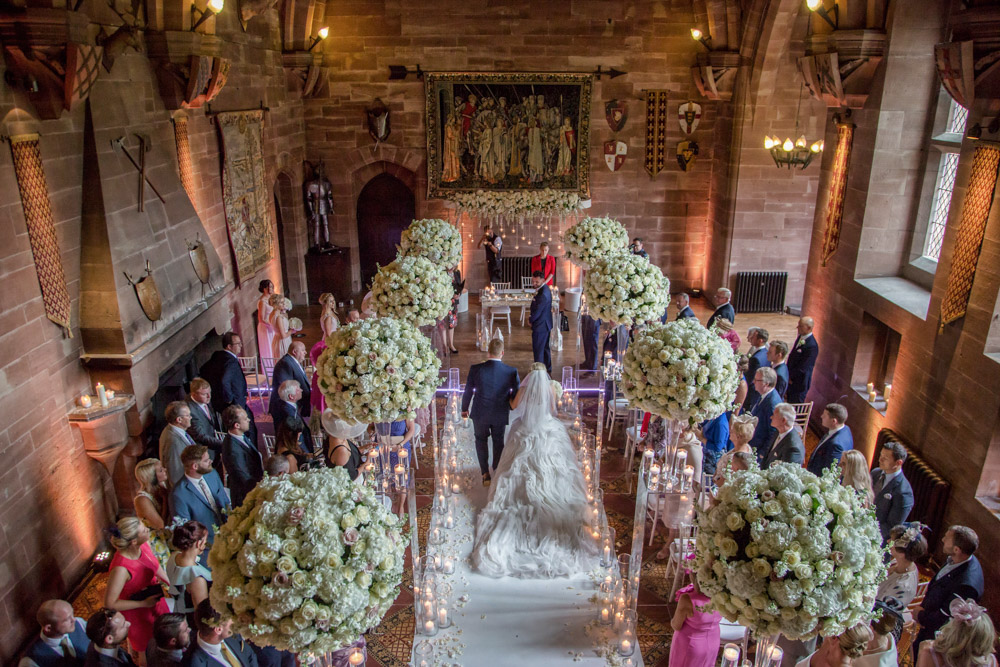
column 390, row 370
column 369, row 567
column 322, row 624
column 280, row 578
column 837, row 556
column 295, row 515
column 372, row 356
column 351, row 536
column 246, row 618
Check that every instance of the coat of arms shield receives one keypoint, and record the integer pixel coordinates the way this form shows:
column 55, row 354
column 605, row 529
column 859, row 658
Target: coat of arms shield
column 689, row 115
column 616, row 112
column 614, row 154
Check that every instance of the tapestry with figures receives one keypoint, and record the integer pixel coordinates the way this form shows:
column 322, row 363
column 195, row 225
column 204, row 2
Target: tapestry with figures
column 244, row 193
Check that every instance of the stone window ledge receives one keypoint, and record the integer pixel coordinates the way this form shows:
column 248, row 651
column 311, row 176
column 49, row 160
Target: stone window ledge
column 909, row 296
column 880, row 405
column 991, row 503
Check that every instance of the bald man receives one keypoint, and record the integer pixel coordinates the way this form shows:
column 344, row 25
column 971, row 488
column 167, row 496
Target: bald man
column 801, row 360
column 292, row 367
column 63, row 640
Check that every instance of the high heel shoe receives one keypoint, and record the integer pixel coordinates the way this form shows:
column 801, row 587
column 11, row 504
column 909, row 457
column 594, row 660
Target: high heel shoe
column 454, row 350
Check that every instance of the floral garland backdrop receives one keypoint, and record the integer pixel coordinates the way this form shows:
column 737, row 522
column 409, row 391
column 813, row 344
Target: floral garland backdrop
column 435, row 239
column 517, row 203
column 592, row 239
column 412, row 289
column 308, row 563
column 626, row 289
column 377, row 370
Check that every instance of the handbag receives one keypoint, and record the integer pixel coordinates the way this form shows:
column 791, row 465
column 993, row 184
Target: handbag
column 563, row 321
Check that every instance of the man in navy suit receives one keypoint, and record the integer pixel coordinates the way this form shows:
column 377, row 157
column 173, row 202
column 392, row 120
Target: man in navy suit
column 893, row 494
column 764, row 432
column 723, row 308
column 838, row 439
column 199, row 495
column 242, row 460
column 107, row 629
column 541, row 321
column 63, row 640
column 216, row 644
column 285, row 411
column 961, row 577
column 494, row 384
column 289, row 367
column 757, row 337
column 204, row 420
column 777, row 352
column 225, row 375
column 801, row 361
column 590, row 334
column 683, row 304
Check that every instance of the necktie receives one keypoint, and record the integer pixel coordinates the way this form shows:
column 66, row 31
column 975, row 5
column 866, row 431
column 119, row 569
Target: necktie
column 228, row 655
column 208, row 494
column 187, row 436
column 879, row 484
column 67, row 647
column 204, row 407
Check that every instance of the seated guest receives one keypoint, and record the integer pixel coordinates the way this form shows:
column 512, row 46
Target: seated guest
column 786, row 444
column 763, row 382
column 107, row 629
column 840, row 650
column 276, row 465
column 135, row 581
column 740, row 433
column 243, row 461
column 725, row 330
column 353, row 316
column 189, row 579
column 171, row 637
column 204, row 419
column 199, row 495
column 881, row 650
column 743, row 389
column 838, row 439
column 854, row 473
column 63, row 639
column 757, row 337
column 714, row 435
column 722, row 307
column 893, row 494
column 175, row 438
column 150, row 501
column 967, row 640
column 288, row 445
column 696, row 629
column 777, row 352
column 961, row 577
column 290, row 367
column 216, row 644
column 908, row 546
column 342, row 448
column 285, row 411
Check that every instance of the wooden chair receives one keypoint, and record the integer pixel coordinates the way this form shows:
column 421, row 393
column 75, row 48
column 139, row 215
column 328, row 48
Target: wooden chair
column 252, row 373
column 802, row 413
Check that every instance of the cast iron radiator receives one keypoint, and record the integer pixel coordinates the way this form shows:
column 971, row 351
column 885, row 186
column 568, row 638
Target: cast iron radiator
column 513, row 269
column 760, row 291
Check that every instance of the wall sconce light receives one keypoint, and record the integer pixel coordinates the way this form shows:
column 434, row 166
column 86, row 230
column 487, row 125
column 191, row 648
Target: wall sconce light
column 699, row 36
column 817, row 6
column 214, row 7
column 320, row 36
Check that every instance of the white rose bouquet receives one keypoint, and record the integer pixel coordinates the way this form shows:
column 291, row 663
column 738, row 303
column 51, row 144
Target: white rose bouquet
column 308, row 563
column 594, row 238
column 626, row 289
column 680, row 370
column 413, row 289
column 514, row 203
column 787, row 552
column 377, row 370
column 434, row 239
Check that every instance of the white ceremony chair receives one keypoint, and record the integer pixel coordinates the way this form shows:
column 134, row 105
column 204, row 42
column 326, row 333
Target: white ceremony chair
column 500, row 287
column 526, row 284
column 680, row 549
column 252, row 373
column 269, row 445
column 500, row 313
column 617, row 408
column 633, row 438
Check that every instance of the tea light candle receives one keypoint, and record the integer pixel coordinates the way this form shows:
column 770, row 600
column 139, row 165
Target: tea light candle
column 110, row 393
column 605, row 615
column 436, row 535
column 455, row 488
column 886, row 390
column 775, row 655
column 85, row 401
column 730, row 655
column 430, row 627
column 448, row 565
column 101, row 395
column 872, row 396
column 626, row 647
column 356, row 657
column 654, row 469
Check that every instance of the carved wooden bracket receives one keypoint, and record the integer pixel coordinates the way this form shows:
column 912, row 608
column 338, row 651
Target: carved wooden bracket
column 188, row 67
column 841, row 66
column 307, row 67
column 715, row 73
column 48, row 55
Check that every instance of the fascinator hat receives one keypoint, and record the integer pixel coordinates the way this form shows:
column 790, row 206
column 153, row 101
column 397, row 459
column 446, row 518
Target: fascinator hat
column 341, row 429
column 965, row 611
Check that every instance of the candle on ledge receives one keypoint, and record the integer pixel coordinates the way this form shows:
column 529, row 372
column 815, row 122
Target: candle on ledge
column 101, row 395
column 110, row 393
column 85, row 401
column 886, row 390
column 872, row 396
column 871, row 387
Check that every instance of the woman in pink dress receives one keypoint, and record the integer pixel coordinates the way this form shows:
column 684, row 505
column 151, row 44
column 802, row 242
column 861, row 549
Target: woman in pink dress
column 265, row 314
column 696, row 632
column 134, row 582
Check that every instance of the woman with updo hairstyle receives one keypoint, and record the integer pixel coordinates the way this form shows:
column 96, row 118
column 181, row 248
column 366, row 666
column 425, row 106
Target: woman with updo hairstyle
column 881, row 650
column 279, row 319
column 908, row 546
column 854, row 473
column 189, row 579
column 135, row 581
column 840, row 650
column 966, row 640
column 328, row 321
column 740, row 433
column 265, row 315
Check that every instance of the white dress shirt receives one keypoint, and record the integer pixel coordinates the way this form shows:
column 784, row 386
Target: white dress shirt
column 214, row 650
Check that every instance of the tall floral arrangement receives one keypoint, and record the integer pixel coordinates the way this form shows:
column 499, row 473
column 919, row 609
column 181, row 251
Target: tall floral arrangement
column 680, row 370
column 413, row 289
column 626, row 289
column 433, row 239
column 308, row 563
column 377, row 370
column 787, row 552
column 594, row 238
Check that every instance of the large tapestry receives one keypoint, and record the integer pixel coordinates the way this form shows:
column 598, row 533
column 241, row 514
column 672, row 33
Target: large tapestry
column 497, row 132
column 243, row 190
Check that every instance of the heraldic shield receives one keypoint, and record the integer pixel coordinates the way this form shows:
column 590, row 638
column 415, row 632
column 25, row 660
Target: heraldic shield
column 614, row 154
column 616, row 111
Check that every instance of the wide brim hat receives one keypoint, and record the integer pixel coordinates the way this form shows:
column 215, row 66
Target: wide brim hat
column 340, row 429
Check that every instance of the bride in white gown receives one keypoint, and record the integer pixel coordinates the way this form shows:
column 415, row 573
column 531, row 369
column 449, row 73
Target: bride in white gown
column 535, row 523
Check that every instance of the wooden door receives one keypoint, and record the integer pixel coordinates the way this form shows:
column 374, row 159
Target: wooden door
column 385, row 208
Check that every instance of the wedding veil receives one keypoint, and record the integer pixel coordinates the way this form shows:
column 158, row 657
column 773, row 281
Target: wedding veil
column 537, row 404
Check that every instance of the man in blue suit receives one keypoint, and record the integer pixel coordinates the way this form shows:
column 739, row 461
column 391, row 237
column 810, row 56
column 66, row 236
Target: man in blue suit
column 723, row 308
column 289, row 367
column 494, row 384
column 757, row 337
column 683, row 303
column 893, row 493
column 961, row 577
column 199, row 495
column 838, row 439
column 242, row 460
column 225, row 375
column 777, row 352
column 216, row 644
column 63, row 640
column 764, row 432
column 801, row 361
column 590, row 333
column 541, row 321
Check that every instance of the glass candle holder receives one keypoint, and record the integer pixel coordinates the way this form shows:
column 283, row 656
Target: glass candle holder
column 606, row 614
column 626, row 636
column 443, row 607
column 730, row 655
column 447, row 564
column 423, row 654
column 608, row 548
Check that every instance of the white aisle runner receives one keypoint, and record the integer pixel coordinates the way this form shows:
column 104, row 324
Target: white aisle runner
column 509, row 621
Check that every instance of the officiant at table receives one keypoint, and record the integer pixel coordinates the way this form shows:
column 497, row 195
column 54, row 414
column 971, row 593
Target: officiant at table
column 541, row 321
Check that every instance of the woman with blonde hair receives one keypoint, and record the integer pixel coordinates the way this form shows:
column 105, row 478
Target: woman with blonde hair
column 854, row 473
column 965, row 641
column 151, row 502
column 741, row 432
column 328, row 321
column 840, row 650
column 282, row 332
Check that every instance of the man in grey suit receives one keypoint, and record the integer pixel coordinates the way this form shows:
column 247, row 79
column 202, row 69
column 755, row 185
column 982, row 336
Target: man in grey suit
column 893, row 494
column 174, row 439
column 786, row 445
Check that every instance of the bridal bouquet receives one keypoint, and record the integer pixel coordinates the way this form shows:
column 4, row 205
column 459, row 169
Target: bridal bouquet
column 626, row 289
column 437, row 240
column 377, row 370
column 680, row 370
column 413, row 289
column 787, row 552
column 308, row 563
column 594, row 238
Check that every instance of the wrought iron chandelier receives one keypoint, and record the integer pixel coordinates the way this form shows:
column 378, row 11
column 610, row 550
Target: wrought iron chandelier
column 797, row 154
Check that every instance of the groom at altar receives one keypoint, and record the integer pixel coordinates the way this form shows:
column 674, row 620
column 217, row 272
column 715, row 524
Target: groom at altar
column 494, row 384
column 541, row 321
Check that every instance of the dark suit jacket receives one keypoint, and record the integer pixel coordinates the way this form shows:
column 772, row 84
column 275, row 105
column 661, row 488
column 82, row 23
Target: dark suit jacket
column 244, row 465
column 726, row 311
column 781, row 385
column 789, row 449
column 98, row 659
column 541, row 310
column 801, row 361
column 687, row 312
column 287, row 416
column 288, row 368
column 197, row 657
column 229, row 386
column 188, row 502
column 893, row 503
column 493, row 383
column 203, row 427
column 964, row 581
column 763, row 433
column 830, row 450
column 757, row 360
column 157, row 657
